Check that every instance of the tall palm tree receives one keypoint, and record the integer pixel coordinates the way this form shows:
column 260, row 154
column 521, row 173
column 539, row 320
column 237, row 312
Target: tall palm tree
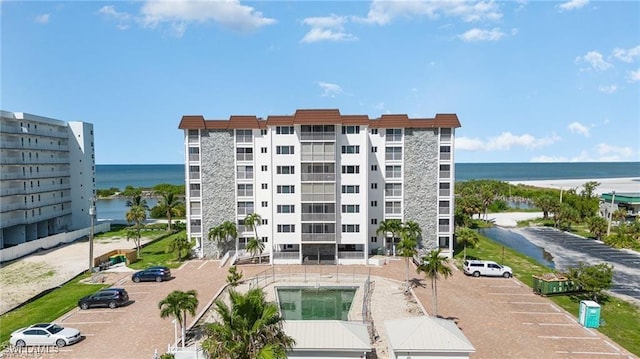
column 385, row 227
column 137, row 200
column 177, row 304
column 137, row 215
column 253, row 220
column 434, row 266
column 250, row 327
column 407, row 249
column 169, row 202
column 229, row 229
column 466, row 237
column 255, row 247
column 412, row 228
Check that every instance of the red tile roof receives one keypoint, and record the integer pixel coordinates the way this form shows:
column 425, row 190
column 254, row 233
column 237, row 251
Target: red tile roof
column 320, row 117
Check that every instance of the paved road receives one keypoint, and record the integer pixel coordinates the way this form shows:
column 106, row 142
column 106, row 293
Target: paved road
column 568, row 250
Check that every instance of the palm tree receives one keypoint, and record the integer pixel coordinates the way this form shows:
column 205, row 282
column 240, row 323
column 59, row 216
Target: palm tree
column 412, row 228
column 385, row 227
column 179, row 244
column 249, row 328
column 177, row 304
column 407, row 249
column 253, row 220
column 137, row 200
column 229, row 229
column 255, row 247
column 169, row 202
column 466, row 237
column 136, row 214
column 434, row 266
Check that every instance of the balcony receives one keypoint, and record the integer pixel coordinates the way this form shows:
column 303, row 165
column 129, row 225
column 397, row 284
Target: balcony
column 318, row 237
column 327, row 197
column 320, row 217
column 196, row 229
column 194, row 175
column 194, row 194
column 194, row 157
column 445, row 174
column 351, row 255
column 286, row 255
column 445, row 156
column 318, row 136
column 443, row 228
column 195, row 212
column 444, row 192
column 319, row 177
column 318, row 157
column 194, row 139
column 444, row 210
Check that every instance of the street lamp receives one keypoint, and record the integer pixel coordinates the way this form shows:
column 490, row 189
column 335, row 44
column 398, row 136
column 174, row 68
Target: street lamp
column 92, row 216
column 613, row 196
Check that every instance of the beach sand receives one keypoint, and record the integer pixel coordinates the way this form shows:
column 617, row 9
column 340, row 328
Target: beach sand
column 607, row 185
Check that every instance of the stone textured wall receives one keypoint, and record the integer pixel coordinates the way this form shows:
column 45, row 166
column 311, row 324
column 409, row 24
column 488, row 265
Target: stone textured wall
column 421, row 183
column 218, row 183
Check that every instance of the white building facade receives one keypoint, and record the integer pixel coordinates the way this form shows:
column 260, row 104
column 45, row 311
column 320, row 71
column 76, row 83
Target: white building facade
column 322, row 182
column 47, row 177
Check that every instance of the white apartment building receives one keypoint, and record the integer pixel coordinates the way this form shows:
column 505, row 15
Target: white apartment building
column 47, row 178
column 322, row 182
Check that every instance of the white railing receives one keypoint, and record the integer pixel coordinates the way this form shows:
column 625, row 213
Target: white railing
column 351, row 255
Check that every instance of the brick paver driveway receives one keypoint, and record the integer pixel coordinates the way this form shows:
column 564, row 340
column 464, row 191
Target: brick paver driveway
column 501, row 317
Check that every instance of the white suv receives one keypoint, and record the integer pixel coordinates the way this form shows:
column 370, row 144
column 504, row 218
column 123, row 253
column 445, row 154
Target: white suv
column 488, row 268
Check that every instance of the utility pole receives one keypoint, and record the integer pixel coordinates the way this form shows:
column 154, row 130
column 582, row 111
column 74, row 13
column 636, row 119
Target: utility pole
column 92, row 215
column 613, row 196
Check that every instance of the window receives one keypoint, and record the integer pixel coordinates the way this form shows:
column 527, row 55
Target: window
column 374, row 167
column 374, row 239
column 394, row 134
column 350, row 169
column 392, row 207
column 393, row 153
column 245, row 207
column 264, row 204
column 350, row 208
column 263, row 150
column 263, row 132
column 284, row 130
column 374, row 221
column 284, row 150
column 263, row 168
column 374, row 149
column 393, row 189
column 350, row 228
column 350, row 149
column 244, row 154
column 286, row 228
column 245, row 172
column 285, row 170
column 285, row 189
column 265, row 222
column 243, row 136
column 374, row 131
column 350, row 189
column 374, row 186
column 245, row 190
column 374, row 203
column 393, row 171
column 265, row 186
column 286, row 208
column 350, row 129
column 265, row 239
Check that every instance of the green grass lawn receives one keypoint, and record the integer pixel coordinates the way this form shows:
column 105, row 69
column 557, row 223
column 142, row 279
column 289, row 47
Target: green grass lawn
column 46, row 308
column 620, row 319
column 155, row 254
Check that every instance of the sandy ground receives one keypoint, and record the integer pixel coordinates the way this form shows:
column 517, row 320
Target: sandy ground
column 620, row 185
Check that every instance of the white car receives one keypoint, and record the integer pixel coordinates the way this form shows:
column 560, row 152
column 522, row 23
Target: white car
column 44, row 334
column 477, row 268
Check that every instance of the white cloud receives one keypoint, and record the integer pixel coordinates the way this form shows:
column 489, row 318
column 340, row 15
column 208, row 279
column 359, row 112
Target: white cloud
column 504, row 141
column 603, row 153
column 179, row 13
column 326, row 28
column 614, row 153
column 627, row 55
column 595, row 59
column 577, row 127
column 573, row 5
column 382, row 12
column 634, row 76
column 42, row 19
column 482, row 35
column 608, row 88
column 330, row 90
column 122, row 18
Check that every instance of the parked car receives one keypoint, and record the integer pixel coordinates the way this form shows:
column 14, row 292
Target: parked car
column 157, row 273
column 477, row 268
column 111, row 297
column 44, row 334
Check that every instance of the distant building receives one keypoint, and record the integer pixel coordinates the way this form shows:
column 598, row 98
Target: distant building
column 321, row 181
column 47, row 177
column 629, row 202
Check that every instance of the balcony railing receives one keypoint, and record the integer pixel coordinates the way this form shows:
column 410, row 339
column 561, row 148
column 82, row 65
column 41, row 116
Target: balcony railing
column 443, row 228
column 445, row 156
column 196, row 211
column 351, row 255
column 194, row 157
column 318, row 237
column 445, row 174
column 444, row 210
column 194, row 175
column 319, row 217
column 196, row 229
column 286, row 255
column 320, row 177
column 318, row 157
column 444, row 192
column 194, row 139
column 194, row 194
column 328, row 197
column 324, row 136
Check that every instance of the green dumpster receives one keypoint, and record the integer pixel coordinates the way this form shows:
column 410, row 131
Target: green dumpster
column 551, row 283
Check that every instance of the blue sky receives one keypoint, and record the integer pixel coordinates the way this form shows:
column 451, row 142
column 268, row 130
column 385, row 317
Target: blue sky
column 531, row 81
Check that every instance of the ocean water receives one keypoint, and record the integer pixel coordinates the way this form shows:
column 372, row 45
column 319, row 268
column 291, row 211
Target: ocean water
column 120, row 176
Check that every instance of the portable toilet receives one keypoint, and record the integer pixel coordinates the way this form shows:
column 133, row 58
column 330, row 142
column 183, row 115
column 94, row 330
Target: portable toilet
column 589, row 315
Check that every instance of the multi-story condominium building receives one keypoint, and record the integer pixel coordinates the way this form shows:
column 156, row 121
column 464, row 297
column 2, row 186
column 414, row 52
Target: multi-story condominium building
column 322, row 182
column 47, row 179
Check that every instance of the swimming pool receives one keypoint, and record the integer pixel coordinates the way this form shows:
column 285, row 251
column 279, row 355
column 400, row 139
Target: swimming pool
column 315, row 303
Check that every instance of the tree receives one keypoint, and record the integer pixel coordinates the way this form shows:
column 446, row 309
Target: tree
column 593, row 279
column 546, row 203
column 177, row 304
column 466, row 237
column 385, row 227
column 222, row 233
column 597, row 226
column 248, row 328
column 407, row 249
column 169, row 203
column 234, row 276
column 180, row 244
column 434, row 266
column 137, row 215
column 253, row 220
column 136, row 200
column 255, row 247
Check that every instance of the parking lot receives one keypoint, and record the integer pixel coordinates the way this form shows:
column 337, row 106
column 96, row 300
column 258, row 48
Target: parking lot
column 501, row 317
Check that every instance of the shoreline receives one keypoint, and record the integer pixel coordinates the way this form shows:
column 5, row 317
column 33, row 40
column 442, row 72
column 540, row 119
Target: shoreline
column 607, row 185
